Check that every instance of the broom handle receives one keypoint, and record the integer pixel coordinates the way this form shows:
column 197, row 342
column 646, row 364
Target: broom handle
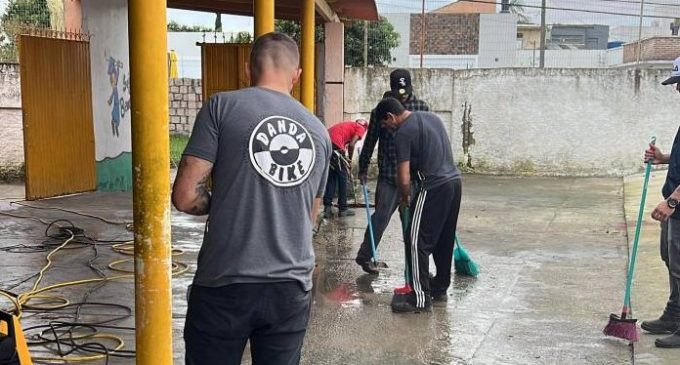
column 370, row 224
column 636, row 240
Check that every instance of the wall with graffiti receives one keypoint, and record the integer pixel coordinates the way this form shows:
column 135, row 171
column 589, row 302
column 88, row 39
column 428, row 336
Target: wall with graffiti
column 107, row 22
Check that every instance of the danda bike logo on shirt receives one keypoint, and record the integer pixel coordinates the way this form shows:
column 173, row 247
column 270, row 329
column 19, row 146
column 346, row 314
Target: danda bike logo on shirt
column 282, row 151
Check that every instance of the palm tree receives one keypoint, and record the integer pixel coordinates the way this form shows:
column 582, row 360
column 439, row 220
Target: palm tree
column 517, row 8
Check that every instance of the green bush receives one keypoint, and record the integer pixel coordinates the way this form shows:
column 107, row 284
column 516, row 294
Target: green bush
column 177, row 145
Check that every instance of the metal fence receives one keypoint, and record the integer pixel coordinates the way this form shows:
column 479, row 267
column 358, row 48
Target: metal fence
column 531, row 33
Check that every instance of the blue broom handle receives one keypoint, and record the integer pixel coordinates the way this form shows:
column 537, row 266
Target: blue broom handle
column 638, row 226
column 370, row 224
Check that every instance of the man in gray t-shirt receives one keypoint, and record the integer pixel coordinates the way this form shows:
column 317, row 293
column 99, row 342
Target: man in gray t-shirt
column 268, row 159
column 424, row 154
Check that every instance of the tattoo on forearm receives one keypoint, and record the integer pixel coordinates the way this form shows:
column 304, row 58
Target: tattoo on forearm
column 202, row 204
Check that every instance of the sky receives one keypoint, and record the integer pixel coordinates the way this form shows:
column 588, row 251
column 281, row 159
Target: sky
column 553, row 16
column 238, row 23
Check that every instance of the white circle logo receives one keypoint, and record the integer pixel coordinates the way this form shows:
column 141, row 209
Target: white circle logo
column 282, row 151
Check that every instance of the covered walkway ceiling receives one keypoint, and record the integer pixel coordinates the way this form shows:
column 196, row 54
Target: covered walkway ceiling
column 285, row 9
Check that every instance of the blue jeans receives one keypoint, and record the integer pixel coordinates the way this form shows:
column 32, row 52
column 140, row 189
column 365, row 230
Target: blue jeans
column 273, row 316
column 337, row 180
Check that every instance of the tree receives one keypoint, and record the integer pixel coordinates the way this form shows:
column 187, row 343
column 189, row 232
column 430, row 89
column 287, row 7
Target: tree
column 173, row 26
column 218, row 22
column 241, row 37
column 20, row 14
column 294, row 30
column 517, row 8
column 382, row 38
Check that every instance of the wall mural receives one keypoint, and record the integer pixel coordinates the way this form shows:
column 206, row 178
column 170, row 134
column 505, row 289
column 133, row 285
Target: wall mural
column 119, row 102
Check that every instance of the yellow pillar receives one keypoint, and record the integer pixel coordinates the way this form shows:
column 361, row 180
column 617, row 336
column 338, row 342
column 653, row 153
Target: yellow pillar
column 307, row 54
column 151, row 176
column 264, row 16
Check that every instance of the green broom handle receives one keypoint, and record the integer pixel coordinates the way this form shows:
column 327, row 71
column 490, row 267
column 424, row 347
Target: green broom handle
column 638, row 226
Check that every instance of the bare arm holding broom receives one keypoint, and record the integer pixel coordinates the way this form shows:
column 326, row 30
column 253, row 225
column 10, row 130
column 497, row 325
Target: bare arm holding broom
column 666, row 208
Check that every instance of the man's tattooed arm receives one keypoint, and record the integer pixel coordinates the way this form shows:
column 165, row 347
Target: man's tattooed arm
column 190, row 193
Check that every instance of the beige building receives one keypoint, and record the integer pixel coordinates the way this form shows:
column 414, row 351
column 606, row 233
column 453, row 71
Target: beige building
column 528, row 36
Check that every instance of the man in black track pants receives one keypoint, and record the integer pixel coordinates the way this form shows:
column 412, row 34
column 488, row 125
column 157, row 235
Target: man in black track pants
column 424, row 152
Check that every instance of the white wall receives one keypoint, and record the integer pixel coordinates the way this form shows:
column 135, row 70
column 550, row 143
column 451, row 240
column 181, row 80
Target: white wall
column 107, row 22
column 497, row 40
column 445, row 61
column 11, row 126
column 188, row 53
column 550, row 121
column 566, row 58
column 402, row 25
column 615, row 56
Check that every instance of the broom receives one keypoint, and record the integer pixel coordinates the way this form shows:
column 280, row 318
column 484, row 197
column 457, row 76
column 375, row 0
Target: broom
column 623, row 326
column 375, row 264
column 462, row 260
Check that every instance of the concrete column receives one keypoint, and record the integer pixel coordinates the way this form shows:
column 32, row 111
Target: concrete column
column 264, row 16
column 73, row 15
column 307, row 52
column 151, row 180
column 334, row 73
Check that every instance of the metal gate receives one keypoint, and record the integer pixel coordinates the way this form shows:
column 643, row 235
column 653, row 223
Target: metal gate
column 223, row 68
column 56, row 101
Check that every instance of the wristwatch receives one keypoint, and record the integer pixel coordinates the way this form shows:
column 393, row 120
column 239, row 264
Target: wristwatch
column 672, row 203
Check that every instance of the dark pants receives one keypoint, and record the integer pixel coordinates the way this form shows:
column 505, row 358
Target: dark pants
column 273, row 316
column 670, row 253
column 432, row 229
column 337, row 180
column 386, row 202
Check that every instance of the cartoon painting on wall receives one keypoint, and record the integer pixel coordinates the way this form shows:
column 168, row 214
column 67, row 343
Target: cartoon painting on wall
column 120, row 104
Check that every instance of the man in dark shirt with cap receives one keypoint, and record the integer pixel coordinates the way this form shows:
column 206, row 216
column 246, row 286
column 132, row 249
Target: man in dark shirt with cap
column 668, row 214
column 387, row 193
column 424, row 153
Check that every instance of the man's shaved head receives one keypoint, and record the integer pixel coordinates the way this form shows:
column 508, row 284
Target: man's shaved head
column 273, row 51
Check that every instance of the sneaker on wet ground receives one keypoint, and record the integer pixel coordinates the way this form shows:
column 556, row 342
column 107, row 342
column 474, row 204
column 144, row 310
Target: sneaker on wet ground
column 405, row 303
column 328, row 212
column 660, row 326
column 437, row 292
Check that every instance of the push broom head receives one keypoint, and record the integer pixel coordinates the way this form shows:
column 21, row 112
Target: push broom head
column 624, row 328
column 463, row 263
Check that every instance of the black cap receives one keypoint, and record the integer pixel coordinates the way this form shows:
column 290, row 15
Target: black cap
column 388, row 105
column 671, row 80
column 400, row 82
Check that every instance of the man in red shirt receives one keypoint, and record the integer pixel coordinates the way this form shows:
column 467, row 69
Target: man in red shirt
column 344, row 136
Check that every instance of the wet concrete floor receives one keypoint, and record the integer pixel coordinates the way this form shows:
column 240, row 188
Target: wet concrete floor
column 552, row 253
column 650, row 289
